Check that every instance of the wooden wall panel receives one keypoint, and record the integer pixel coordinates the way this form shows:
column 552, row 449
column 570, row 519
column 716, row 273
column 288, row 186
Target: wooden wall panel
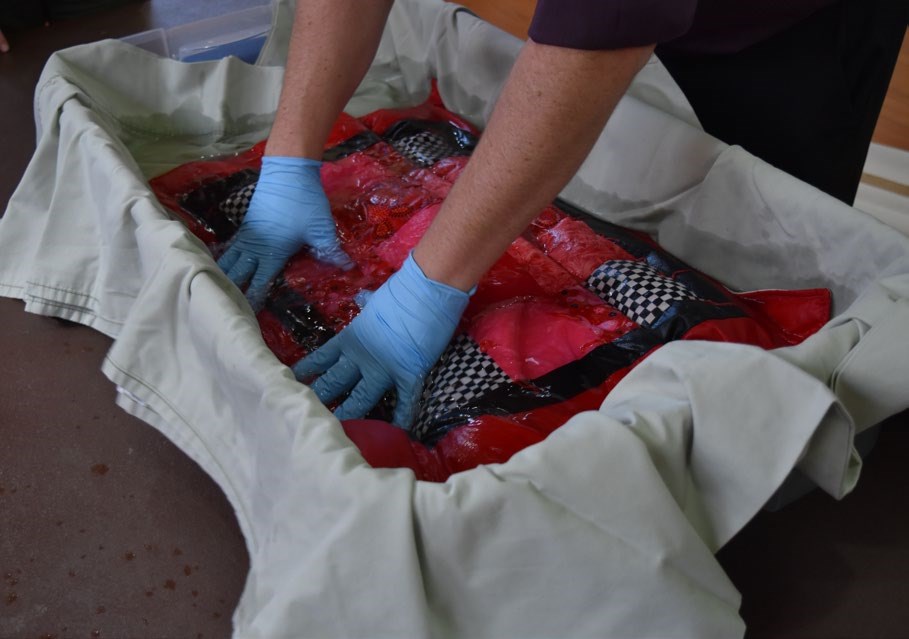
column 512, row 16
column 893, row 123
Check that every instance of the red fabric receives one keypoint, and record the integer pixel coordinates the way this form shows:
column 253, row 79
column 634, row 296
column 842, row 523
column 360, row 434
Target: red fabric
column 529, row 338
column 795, row 314
column 576, row 247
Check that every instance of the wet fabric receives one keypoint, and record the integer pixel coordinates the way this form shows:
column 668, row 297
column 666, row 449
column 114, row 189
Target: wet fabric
column 568, row 310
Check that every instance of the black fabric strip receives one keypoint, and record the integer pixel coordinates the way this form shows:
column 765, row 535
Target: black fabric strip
column 306, row 324
column 350, row 146
column 684, row 315
column 203, row 203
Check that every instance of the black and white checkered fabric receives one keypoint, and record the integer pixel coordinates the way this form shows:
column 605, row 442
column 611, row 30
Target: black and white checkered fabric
column 424, row 148
column 236, row 206
column 637, row 289
column 464, row 374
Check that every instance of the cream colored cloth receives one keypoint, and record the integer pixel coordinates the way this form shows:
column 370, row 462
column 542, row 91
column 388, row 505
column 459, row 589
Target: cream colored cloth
column 607, row 528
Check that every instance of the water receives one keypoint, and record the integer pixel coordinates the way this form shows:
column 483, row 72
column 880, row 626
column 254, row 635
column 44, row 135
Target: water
column 160, row 142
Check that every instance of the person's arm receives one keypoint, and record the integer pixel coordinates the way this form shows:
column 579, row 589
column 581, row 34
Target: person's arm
column 4, row 44
column 331, row 47
column 550, row 113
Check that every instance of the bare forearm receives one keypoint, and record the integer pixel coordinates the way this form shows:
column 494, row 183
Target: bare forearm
column 332, row 46
column 549, row 115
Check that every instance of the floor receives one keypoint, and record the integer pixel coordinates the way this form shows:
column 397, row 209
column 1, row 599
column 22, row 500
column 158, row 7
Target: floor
column 108, row 530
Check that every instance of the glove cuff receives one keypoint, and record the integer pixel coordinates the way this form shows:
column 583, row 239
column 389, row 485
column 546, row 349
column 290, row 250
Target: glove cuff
column 289, row 172
column 445, row 300
column 411, row 263
column 288, row 162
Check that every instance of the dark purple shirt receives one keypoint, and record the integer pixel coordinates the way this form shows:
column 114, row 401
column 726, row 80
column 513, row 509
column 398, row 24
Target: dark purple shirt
column 689, row 26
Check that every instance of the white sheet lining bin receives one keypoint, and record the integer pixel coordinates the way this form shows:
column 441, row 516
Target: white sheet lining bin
column 607, row 528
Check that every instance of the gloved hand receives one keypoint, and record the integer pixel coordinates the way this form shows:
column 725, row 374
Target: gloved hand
column 288, row 211
column 394, row 341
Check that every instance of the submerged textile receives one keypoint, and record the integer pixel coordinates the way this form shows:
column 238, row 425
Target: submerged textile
column 556, row 323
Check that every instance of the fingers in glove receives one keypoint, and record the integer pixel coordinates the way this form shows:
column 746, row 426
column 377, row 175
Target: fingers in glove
column 337, row 380
column 242, row 270
column 362, row 398
column 407, row 405
column 334, row 255
column 258, row 288
column 229, row 258
column 361, row 299
column 320, row 360
column 256, row 299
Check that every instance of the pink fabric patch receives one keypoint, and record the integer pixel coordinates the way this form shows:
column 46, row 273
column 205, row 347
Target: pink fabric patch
column 531, row 336
column 395, row 249
column 578, row 249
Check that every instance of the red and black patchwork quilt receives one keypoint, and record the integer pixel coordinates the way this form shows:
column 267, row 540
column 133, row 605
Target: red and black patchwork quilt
column 572, row 306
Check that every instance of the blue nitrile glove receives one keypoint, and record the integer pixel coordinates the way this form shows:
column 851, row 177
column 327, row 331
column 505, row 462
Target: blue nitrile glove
column 393, row 342
column 288, row 211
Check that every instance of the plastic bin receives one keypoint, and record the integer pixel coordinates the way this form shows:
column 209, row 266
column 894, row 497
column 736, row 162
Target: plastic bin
column 241, row 34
